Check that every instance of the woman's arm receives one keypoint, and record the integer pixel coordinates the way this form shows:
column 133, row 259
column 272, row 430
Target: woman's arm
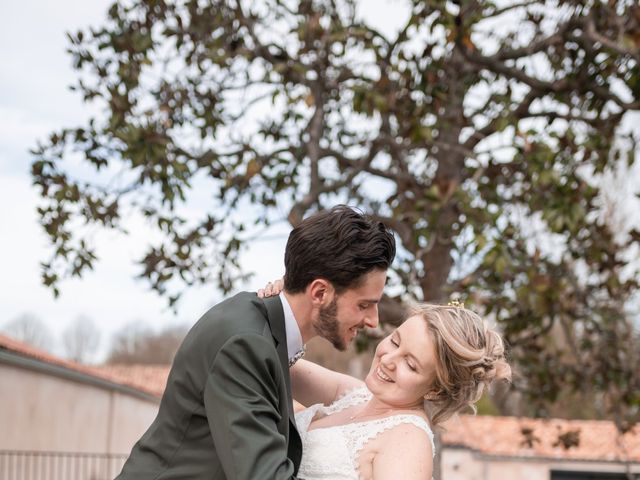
column 405, row 452
column 311, row 383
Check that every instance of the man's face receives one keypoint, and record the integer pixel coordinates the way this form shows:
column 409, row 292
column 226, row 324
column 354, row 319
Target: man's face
column 340, row 320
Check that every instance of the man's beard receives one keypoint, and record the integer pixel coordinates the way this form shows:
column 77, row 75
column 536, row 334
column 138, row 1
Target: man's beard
column 328, row 327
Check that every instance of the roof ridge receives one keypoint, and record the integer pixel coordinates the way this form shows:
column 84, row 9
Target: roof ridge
column 25, row 350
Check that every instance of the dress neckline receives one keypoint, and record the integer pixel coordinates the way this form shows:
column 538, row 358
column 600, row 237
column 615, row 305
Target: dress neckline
column 366, row 396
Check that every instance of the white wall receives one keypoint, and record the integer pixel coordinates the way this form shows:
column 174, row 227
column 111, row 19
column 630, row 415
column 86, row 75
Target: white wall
column 463, row 464
column 42, row 412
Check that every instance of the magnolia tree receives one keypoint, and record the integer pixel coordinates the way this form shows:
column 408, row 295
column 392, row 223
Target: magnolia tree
column 481, row 133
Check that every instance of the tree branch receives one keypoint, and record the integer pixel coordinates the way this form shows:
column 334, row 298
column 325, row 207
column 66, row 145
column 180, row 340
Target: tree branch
column 535, row 47
column 594, row 37
column 499, row 11
column 519, row 113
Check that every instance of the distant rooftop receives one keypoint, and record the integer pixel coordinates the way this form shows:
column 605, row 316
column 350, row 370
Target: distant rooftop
column 149, row 380
column 588, row 440
column 151, row 377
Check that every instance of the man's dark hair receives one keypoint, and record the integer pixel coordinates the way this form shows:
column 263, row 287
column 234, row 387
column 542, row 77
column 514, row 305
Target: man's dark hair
column 340, row 245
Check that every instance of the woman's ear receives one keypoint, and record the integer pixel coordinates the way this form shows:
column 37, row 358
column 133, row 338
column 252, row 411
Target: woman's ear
column 432, row 395
column 320, row 291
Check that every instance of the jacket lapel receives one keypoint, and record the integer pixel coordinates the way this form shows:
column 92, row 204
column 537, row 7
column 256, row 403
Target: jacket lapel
column 276, row 321
column 275, row 317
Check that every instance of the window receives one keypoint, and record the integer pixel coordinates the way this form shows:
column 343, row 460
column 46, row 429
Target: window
column 563, row 475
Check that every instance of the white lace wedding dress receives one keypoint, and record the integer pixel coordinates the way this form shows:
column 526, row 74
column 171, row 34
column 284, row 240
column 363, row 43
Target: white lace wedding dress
column 332, row 452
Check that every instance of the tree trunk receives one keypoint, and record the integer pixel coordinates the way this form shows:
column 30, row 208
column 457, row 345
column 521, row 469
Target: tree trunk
column 437, row 258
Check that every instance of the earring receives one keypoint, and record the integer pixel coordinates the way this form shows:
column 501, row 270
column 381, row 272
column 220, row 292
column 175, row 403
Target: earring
column 432, row 395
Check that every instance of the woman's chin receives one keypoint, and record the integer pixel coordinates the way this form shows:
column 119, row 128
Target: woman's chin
column 370, row 382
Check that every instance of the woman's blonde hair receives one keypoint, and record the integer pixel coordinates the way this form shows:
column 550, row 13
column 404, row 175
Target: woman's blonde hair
column 470, row 356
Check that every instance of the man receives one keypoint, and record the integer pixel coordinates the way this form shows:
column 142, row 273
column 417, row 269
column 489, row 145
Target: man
column 227, row 411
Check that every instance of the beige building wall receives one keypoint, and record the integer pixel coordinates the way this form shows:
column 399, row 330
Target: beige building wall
column 43, row 412
column 130, row 418
column 464, row 464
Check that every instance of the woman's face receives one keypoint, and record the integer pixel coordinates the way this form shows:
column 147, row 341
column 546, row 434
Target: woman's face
column 404, row 365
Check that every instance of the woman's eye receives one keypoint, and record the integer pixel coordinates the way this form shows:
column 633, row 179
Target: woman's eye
column 394, row 342
column 411, row 366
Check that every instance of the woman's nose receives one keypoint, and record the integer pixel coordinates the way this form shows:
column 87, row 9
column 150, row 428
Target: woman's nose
column 388, row 361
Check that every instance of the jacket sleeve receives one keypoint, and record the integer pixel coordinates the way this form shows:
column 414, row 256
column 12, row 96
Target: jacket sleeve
column 242, row 404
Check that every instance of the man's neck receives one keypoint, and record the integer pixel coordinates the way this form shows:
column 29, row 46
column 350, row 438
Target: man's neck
column 303, row 313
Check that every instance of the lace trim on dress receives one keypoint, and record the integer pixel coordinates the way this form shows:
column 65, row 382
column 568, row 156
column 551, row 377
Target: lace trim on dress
column 357, row 436
column 350, row 398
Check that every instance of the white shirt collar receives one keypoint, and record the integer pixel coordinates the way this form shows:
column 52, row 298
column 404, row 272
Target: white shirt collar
column 294, row 337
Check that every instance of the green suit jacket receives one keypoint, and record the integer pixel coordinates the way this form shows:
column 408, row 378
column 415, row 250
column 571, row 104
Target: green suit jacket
column 226, row 412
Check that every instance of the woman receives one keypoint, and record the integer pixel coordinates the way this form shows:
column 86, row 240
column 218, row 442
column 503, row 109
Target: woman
column 434, row 365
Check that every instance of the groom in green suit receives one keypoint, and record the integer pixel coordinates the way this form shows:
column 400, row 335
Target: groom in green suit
column 227, row 412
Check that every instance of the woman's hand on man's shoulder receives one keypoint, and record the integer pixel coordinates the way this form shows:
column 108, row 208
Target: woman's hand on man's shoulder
column 271, row 289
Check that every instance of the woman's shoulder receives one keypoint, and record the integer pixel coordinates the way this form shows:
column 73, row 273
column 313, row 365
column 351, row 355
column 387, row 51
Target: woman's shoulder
column 409, row 424
column 406, row 428
column 403, row 451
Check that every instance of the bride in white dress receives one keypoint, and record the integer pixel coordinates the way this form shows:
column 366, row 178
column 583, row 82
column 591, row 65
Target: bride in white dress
column 432, row 366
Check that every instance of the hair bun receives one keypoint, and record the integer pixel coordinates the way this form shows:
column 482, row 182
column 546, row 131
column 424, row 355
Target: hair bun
column 496, row 367
column 490, row 367
column 470, row 354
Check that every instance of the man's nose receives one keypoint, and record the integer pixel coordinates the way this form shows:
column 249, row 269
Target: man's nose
column 371, row 319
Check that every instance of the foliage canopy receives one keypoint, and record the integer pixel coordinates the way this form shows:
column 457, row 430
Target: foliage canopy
column 481, row 133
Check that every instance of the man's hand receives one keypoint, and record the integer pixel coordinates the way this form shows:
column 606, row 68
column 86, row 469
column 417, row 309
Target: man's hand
column 271, row 289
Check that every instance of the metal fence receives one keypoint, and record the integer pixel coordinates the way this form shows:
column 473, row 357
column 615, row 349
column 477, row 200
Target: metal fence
column 31, row 465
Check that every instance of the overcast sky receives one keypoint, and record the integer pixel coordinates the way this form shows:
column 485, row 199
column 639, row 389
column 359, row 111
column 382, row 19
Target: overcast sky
column 35, row 101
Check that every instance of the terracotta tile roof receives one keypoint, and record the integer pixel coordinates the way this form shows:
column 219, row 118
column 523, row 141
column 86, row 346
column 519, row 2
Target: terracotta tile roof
column 111, row 375
column 153, row 377
column 528, row 437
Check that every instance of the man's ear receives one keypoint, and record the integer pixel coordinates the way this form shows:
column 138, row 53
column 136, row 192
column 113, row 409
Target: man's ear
column 320, row 291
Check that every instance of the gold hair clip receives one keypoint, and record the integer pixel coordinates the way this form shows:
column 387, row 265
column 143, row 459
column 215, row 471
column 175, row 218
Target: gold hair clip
column 456, row 304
